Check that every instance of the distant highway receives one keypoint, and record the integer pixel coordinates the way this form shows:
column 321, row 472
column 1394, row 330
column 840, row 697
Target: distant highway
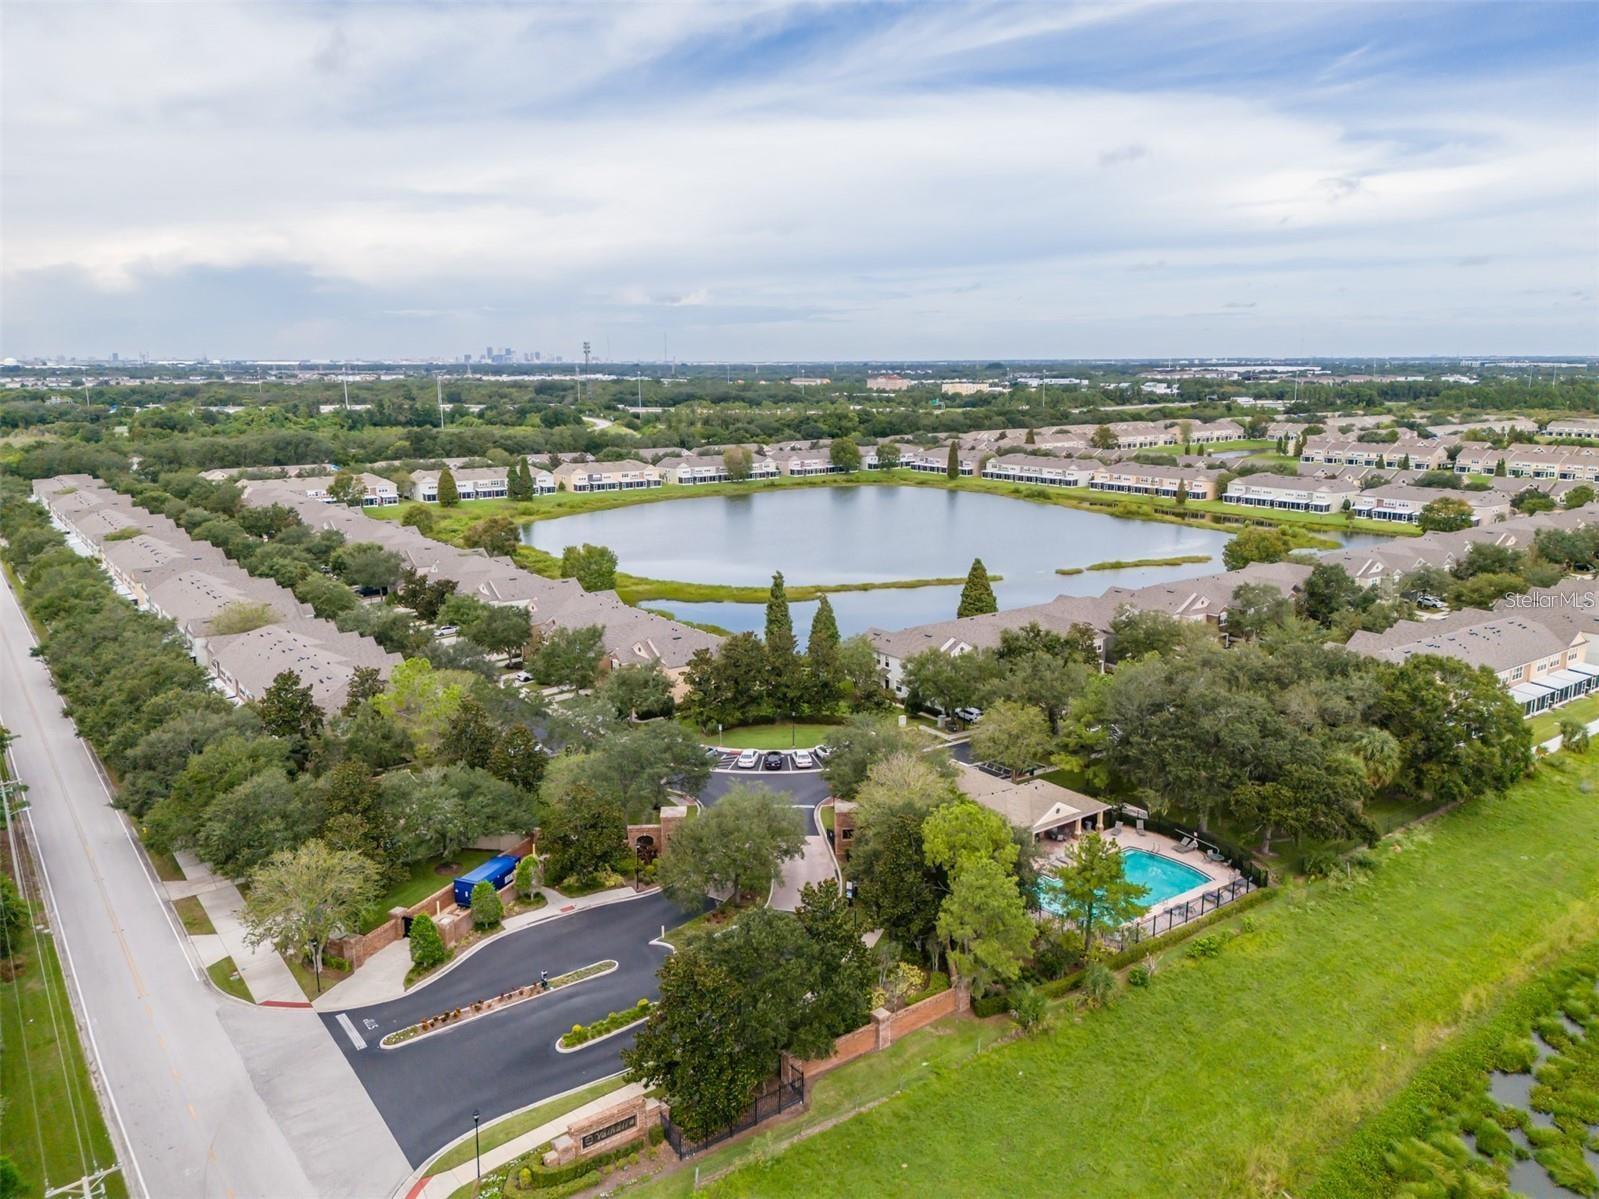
column 209, row 1097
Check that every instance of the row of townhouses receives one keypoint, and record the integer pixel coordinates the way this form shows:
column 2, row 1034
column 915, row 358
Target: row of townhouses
column 633, row 636
column 161, row 568
column 1208, row 597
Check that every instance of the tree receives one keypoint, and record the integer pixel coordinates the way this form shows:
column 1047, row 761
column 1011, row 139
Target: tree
column 1093, row 891
column 779, row 621
column 735, row 848
column 867, row 740
column 956, row 834
column 419, row 517
column 11, row 1180
column 639, row 767
column 449, row 494
column 697, row 1045
column 727, row 686
column 783, row 667
column 1460, row 733
column 1444, row 515
column 1043, row 682
column 984, row 924
column 365, row 683
column 1486, row 590
column 1530, row 500
column 422, row 700
column 487, row 910
column 300, row 899
column 1013, row 735
column 1104, row 438
column 1078, row 644
column 519, row 481
column 947, row 682
column 844, row 454
column 15, row 917
column 1254, row 608
column 1578, row 496
column 977, row 596
column 568, row 657
column 501, row 629
column 642, row 691
column 860, row 677
column 896, row 887
column 471, row 735
column 526, row 877
column 952, row 468
column 1327, row 591
column 347, row 489
column 593, row 566
column 839, row 989
column 738, row 462
column 494, row 535
column 247, row 824
column 241, row 616
column 517, row 758
column 887, row 455
column 367, row 566
column 1256, row 545
column 1574, row 736
column 290, row 711
column 824, row 673
column 583, row 837
column 427, row 947
column 907, row 777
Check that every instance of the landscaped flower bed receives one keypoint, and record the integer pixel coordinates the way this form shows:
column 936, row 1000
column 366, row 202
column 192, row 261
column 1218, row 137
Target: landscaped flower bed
column 460, row 1015
column 582, row 1034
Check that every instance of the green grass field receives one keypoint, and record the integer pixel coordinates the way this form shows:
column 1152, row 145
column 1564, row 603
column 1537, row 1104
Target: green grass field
column 51, row 1125
column 228, row 980
column 772, row 736
column 1238, row 1075
column 1547, row 724
column 423, row 880
column 195, row 922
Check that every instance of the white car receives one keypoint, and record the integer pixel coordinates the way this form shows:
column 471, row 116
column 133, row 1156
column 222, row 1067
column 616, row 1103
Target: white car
column 747, row 760
column 802, row 759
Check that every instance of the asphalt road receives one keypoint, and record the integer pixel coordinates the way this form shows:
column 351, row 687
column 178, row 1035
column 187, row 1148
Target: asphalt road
column 427, row 1090
column 209, row 1097
column 805, row 789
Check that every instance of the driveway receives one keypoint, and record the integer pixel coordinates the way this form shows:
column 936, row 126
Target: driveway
column 427, row 1091
column 804, row 790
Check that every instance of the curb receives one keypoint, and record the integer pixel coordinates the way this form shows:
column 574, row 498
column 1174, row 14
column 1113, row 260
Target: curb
column 504, row 1007
column 615, row 1032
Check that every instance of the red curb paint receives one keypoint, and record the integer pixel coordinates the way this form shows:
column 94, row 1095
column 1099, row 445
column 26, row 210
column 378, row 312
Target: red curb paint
column 571, row 907
column 282, row 1003
column 421, row 1185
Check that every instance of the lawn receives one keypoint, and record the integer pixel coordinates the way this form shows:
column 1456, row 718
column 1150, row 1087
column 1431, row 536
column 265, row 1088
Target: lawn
column 49, row 1101
column 227, row 978
column 423, row 880
column 1238, row 1075
column 195, row 922
column 1547, row 724
column 514, row 1125
column 306, row 977
column 773, row 736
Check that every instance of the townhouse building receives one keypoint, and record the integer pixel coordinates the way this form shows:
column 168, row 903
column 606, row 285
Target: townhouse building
column 802, row 463
column 1292, row 493
column 1408, row 453
column 376, row 491
column 1567, row 462
column 1040, row 469
column 1134, row 478
column 626, row 475
column 471, row 483
column 1403, row 503
column 1585, row 427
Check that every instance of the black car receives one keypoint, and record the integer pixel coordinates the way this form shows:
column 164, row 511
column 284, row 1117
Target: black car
column 772, row 761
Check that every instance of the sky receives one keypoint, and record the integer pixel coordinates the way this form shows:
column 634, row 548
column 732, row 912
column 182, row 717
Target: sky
column 798, row 182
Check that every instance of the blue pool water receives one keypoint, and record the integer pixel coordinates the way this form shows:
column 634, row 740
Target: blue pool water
column 1164, row 878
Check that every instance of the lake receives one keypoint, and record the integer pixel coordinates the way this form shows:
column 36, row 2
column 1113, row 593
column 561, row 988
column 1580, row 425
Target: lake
column 873, row 534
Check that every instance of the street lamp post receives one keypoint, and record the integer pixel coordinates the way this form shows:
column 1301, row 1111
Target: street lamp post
column 477, row 1147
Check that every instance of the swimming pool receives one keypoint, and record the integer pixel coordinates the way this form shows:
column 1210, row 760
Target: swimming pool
column 1164, row 878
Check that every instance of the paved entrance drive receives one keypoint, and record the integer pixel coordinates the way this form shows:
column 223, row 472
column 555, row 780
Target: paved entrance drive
column 426, row 1092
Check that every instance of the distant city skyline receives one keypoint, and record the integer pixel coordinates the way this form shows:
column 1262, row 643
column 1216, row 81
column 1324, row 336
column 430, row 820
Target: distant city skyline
column 780, row 182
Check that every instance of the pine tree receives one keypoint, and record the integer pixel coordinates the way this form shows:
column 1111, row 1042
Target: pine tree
column 1499, row 469
column 783, row 681
column 516, row 484
column 953, row 468
column 449, row 497
column 824, row 630
column 977, row 597
column 1030, row 439
column 779, row 621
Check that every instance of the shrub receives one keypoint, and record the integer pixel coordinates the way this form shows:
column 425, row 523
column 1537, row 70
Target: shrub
column 1207, row 946
column 1140, row 976
column 526, row 876
column 1099, row 984
column 427, row 947
column 1574, row 736
column 1028, row 1006
column 1319, row 861
column 524, row 1177
column 991, row 1004
column 487, row 910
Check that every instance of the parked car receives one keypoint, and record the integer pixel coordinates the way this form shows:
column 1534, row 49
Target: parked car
column 713, row 753
column 747, row 760
column 523, row 676
column 447, row 630
column 969, row 715
column 823, row 752
column 773, row 760
column 1432, row 602
column 803, row 759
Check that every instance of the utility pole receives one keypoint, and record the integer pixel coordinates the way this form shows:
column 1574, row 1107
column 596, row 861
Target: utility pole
column 90, row 1186
column 581, row 386
column 439, row 384
column 346, row 387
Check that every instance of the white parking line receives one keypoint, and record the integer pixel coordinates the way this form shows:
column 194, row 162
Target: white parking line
column 356, row 1038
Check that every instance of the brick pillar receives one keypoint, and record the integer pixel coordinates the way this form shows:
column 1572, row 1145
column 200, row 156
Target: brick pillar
column 963, row 996
column 883, row 1022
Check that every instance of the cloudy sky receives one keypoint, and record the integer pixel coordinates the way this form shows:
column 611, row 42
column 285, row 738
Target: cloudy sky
column 799, row 181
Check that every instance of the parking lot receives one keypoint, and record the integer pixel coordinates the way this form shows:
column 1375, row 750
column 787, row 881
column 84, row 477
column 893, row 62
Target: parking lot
column 730, row 760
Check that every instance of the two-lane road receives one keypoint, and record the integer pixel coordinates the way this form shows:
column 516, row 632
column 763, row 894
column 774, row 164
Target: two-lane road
column 209, row 1097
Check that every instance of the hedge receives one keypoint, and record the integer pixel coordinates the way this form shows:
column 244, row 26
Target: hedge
column 545, row 1178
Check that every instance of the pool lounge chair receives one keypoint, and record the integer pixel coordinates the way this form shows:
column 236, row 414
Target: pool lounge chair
column 1188, row 844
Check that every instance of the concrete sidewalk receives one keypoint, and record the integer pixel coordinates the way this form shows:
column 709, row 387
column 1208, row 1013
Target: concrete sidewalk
column 814, row 865
column 263, row 971
column 441, row 1186
column 382, row 976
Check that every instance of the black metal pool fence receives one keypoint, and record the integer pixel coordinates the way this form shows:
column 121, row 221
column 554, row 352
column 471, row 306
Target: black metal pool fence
column 778, row 1095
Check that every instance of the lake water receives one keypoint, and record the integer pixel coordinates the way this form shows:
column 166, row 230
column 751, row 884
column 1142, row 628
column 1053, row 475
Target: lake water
column 872, row 534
